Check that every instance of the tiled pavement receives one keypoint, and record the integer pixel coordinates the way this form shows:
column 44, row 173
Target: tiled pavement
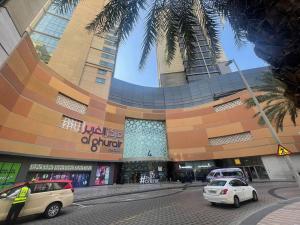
column 165, row 207
column 111, row 190
column 288, row 215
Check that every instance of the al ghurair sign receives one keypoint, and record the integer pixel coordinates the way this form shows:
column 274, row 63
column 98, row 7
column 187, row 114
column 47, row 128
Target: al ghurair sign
column 100, row 136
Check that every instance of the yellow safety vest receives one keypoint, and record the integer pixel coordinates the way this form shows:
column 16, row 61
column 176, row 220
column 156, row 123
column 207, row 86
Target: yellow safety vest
column 22, row 196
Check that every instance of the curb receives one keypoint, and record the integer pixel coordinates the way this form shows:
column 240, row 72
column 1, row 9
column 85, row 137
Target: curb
column 259, row 215
column 273, row 190
column 137, row 192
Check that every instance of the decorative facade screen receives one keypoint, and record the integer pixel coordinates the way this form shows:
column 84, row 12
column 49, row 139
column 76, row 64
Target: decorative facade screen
column 69, row 123
column 229, row 139
column 228, row 105
column 145, row 139
column 71, row 104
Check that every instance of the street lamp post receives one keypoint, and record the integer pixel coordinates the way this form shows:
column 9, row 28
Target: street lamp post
column 267, row 122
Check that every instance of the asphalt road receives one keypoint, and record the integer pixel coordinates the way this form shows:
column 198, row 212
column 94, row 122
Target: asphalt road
column 175, row 206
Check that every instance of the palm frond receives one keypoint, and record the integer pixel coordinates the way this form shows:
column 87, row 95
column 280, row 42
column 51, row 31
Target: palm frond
column 276, row 104
column 209, row 21
column 65, row 6
column 187, row 20
column 117, row 13
column 232, row 10
column 172, row 35
column 152, row 28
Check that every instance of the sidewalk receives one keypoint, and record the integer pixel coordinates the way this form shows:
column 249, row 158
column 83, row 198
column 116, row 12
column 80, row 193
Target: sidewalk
column 286, row 212
column 288, row 215
column 123, row 189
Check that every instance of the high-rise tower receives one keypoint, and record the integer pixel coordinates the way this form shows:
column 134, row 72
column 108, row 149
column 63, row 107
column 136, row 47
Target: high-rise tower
column 61, row 40
column 204, row 65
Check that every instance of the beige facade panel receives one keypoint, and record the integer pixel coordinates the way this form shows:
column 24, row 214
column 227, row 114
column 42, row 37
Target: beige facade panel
column 72, row 51
column 88, row 81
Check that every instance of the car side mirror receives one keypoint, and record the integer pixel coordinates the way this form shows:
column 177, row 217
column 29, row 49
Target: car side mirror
column 4, row 195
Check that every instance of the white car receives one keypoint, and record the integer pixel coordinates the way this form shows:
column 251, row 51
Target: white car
column 229, row 191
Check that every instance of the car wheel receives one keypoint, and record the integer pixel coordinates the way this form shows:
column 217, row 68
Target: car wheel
column 213, row 203
column 236, row 202
column 254, row 196
column 52, row 210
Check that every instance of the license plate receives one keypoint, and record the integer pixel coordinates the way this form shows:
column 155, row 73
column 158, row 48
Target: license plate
column 213, row 192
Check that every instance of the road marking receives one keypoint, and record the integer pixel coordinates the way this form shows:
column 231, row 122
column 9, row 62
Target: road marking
column 81, row 206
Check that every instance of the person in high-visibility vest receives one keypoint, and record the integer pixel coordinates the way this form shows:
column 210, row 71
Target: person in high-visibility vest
column 19, row 197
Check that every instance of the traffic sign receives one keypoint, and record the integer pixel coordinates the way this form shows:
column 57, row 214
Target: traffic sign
column 282, row 151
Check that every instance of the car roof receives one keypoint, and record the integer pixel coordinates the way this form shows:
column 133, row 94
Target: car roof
column 226, row 179
column 36, row 182
column 226, row 169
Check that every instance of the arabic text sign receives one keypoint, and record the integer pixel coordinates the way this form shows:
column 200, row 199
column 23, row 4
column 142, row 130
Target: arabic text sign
column 97, row 136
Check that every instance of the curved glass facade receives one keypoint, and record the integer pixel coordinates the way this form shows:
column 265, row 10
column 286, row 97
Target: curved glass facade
column 145, row 139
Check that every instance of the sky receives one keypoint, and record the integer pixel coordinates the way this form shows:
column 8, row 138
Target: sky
column 130, row 51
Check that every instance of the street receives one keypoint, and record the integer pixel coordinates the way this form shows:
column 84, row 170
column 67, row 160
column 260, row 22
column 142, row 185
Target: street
column 172, row 206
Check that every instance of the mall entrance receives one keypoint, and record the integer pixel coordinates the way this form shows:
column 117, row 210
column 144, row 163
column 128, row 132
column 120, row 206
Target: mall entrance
column 252, row 166
column 143, row 172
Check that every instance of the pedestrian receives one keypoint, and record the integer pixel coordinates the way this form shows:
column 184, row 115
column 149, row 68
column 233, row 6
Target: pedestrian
column 19, row 197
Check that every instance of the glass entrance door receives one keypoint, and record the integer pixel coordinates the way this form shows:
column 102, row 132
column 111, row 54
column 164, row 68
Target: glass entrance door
column 256, row 172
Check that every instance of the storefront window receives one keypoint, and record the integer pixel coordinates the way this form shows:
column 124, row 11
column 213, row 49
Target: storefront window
column 145, row 139
column 102, row 175
column 8, row 173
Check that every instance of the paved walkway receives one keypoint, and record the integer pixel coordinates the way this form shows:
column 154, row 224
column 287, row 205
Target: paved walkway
column 114, row 190
column 288, row 215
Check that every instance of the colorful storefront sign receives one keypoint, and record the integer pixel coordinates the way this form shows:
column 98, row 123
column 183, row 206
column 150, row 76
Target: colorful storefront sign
column 53, row 167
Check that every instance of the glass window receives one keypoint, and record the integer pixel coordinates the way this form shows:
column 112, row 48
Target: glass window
column 217, row 174
column 236, row 183
column 109, row 50
column 44, row 41
column 107, row 56
column 111, row 38
column 66, row 13
column 110, row 43
column 100, row 80
column 58, row 186
column 233, row 174
column 102, row 72
column 106, row 64
column 217, row 183
column 42, row 187
column 52, row 25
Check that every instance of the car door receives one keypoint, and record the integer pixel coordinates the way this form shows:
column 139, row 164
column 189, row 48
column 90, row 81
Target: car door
column 238, row 189
column 38, row 199
column 247, row 190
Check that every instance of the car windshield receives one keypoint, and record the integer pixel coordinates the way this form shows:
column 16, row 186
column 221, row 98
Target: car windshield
column 211, row 174
column 232, row 174
column 217, row 183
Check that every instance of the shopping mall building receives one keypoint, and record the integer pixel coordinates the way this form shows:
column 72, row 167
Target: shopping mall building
column 64, row 115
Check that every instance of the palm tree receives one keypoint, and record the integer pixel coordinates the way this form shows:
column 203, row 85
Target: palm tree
column 273, row 27
column 277, row 102
column 172, row 19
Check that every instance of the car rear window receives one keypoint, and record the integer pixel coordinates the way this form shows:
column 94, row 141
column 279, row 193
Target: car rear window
column 232, row 174
column 217, row 183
